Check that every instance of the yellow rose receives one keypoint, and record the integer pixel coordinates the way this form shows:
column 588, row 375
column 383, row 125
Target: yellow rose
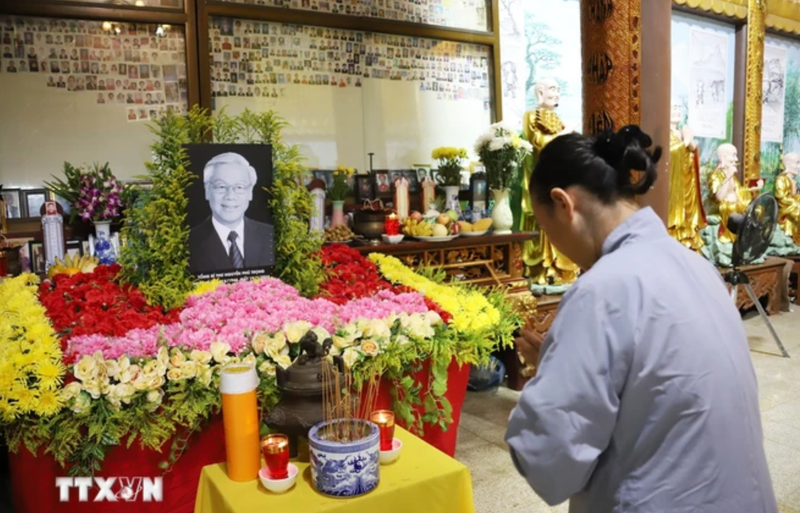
column 295, row 331
column 71, row 391
column 150, row 368
column 177, row 359
column 85, row 369
column 275, row 348
column 121, row 393
column 93, row 388
column 155, row 381
column 204, row 375
column 369, row 348
column 250, row 360
column 163, row 356
column 123, row 364
column 341, row 342
column 402, row 340
column 155, row 397
column 201, row 357
column 321, row 334
column 259, row 342
column 284, row 361
column 267, row 368
column 220, row 350
column 380, row 329
column 350, row 357
column 189, row 369
column 141, row 382
column 129, row 374
column 433, row 318
column 112, row 368
column 82, row 404
column 174, row 374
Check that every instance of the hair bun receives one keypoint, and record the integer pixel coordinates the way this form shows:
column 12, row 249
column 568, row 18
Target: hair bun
column 626, row 151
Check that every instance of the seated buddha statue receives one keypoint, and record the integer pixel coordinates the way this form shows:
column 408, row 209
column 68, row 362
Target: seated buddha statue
column 788, row 198
column 686, row 214
column 725, row 190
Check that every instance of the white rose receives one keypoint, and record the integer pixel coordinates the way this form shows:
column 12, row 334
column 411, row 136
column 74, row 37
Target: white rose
column 82, row 404
column 189, row 369
column 155, row 397
column 380, row 329
column 121, row 393
column 86, row 369
column 71, row 391
column 295, row 331
column 405, row 320
column 350, row 357
column 112, row 367
column 201, row 357
column 250, row 360
column 163, row 356
column 174, row 374
column 259, row 342
column 130, row 374
column 151, row 368
column 155, row 381
column 353, row 330
column 123, row 364
column 93, row 388
column 220, row 350
column 267, row 368
column 274, row 347
column 365, row 327
column 433, row 318
column 177, row 359
column 284, row 361
column 142, row 382
column 321, row 334
column 402, row 340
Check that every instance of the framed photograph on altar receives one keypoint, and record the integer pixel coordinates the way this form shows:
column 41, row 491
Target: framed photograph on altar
column 364, row 190
column 477, row 192
column 12, row 203
column 422, row 170
column 231, row 233
column 24, row 246
column 34, row 200
column 413, row 180
column 74, row 248
column 36, row 252
column 382, row 184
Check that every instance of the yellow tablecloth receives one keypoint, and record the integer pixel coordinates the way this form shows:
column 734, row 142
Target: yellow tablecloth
column 423, row 479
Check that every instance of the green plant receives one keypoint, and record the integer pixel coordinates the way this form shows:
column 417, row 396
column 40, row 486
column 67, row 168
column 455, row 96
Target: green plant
column 338, row 191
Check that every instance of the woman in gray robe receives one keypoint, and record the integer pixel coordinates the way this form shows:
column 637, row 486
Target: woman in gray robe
column 645, row 400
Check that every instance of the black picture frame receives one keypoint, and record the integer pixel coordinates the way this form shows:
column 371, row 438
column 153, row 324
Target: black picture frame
column 34, row 200
column 14, row 208
column 413, row 181
column 74, row 248
column 478, row 192
column 36, row 254
column 381, row 183
column 364, row 188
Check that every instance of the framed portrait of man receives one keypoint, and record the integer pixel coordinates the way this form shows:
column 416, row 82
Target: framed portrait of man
column 231, row 233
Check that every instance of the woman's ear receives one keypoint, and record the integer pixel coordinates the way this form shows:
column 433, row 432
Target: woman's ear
column 563, row 204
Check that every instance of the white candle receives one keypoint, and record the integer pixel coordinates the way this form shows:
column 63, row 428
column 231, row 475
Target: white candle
column 401, row 197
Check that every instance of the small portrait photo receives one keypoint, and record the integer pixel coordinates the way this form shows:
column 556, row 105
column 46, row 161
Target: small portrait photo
column 422, row 171
column 382, row 183
column 11, row 203
column 228, row 212
column 34, row 201
column 24, row 254
column 50, row 208
column 413, row 181
column 74, row 248
column 364, row 190
column 36, row 251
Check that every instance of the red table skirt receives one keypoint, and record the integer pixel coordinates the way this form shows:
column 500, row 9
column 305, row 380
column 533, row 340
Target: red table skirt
column 33, row 478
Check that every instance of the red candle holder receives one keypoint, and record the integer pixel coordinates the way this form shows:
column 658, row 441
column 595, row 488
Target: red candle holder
column 392, row 224
column 385, row 421
column 275, row 449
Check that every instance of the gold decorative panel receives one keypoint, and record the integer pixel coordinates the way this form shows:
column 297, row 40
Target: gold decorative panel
column 611, row 48
column 730, row 8
column 784, row 15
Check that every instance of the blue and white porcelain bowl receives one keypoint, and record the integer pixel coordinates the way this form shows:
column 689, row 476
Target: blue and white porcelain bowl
column 345, row 469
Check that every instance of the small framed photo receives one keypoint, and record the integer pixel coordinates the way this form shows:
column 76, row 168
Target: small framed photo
column 12, row 203
column 34, row 201
column 24, row 252
column 413, row 180
column 382, row 185
column 478, row 192
column 85, row 248
column 364, row 189
column 422, row 170
column 36, row 251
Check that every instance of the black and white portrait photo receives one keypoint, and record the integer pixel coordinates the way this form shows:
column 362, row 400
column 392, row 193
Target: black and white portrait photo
column 231, row 234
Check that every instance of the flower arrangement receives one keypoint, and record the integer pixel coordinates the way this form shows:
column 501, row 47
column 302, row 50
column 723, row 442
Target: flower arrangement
column 342, row 177
column 502, row 151
column 449, row 171
column 95, row 194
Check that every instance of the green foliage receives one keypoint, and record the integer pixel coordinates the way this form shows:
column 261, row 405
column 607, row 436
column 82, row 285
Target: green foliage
column 154, row 252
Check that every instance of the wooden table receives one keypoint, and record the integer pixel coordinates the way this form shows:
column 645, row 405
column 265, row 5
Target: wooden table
column 794, row 279
column 765, row 279
column 489, row 260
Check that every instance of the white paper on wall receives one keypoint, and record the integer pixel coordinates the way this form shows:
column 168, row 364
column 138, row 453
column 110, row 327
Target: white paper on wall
column 774, row 93
column 708, row 86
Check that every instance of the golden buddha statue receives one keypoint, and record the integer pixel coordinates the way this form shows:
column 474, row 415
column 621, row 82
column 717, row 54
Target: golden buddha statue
column 686, row 215
column 788, row 198
column 545, row 264
column 726, row 190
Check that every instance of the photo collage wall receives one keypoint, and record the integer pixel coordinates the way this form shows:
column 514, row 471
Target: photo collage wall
column 168, row 4
column 257, row 59
column 138, row 68
column 465, row 14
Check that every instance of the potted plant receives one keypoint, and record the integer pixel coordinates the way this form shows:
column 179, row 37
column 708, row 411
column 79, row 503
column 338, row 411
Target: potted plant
column 502, row 152
column 449, row 173
column 338, row 192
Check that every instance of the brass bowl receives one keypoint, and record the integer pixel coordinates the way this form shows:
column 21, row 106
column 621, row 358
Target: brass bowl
column 369, row 223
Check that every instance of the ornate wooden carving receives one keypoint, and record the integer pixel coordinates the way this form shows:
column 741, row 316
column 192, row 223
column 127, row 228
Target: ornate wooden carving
column 765, row 280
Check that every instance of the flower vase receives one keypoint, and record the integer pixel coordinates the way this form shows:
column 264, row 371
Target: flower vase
column 342, row 468
column 103, row 249
column 451, row 198
column 502, row 217
column 337, row 218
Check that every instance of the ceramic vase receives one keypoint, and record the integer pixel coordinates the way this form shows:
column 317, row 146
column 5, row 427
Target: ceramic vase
column 103, row 248
column 451, row 198
column 337, row 217
column 344, row 469
column 502, row 217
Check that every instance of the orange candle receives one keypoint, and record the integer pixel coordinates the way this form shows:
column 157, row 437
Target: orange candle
column 385, row 421
column 238, row 385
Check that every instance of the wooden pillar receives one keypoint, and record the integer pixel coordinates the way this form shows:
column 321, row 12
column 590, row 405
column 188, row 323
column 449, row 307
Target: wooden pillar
column 756, row 28
column 626, row 75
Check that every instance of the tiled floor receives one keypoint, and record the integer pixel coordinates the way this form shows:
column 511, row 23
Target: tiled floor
column 498, row 487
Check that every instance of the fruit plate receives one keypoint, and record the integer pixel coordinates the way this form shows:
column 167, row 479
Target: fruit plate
column 474, row 234
column 443, row 238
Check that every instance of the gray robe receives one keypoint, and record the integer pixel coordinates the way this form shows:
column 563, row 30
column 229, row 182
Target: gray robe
column 646, row 398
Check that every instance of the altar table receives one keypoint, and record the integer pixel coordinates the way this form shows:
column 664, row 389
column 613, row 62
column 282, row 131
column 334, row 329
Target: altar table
column 423, row 478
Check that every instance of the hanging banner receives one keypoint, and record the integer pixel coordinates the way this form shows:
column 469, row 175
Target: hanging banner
column 774, row 94
column 708, row 87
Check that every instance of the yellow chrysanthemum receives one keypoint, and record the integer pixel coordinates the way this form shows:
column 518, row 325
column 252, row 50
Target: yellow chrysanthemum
column 49, row 403
column 205, row 287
